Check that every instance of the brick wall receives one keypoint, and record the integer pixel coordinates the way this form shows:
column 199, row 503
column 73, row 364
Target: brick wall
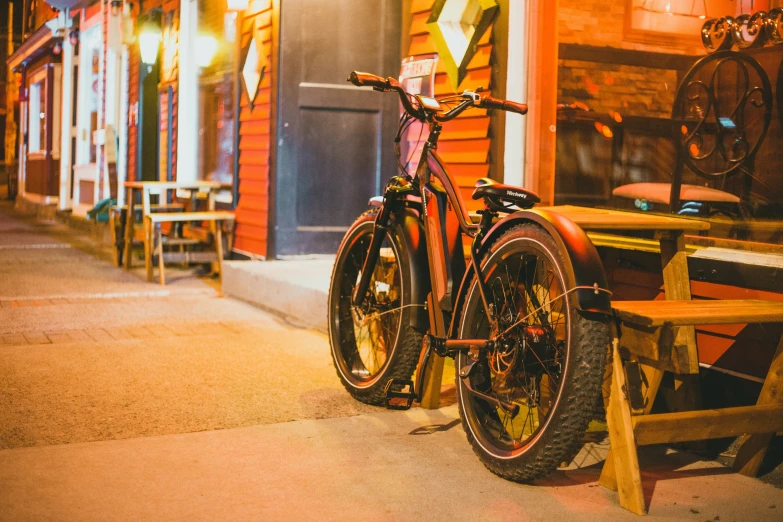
column 627, row 89
column 634, row 90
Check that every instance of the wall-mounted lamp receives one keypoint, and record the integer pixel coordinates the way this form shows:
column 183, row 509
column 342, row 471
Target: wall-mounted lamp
column 73, row 37
column 237, row 5
column 206, row 46
column 116, row 7
column 149, row 41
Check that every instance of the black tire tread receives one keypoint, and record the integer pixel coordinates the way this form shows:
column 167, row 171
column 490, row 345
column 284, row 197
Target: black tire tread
column 565, row 433
column 406, row 355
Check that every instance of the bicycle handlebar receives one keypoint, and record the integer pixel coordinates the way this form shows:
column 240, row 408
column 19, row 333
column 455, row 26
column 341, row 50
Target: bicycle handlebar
column 361, row 79
column 489, row 102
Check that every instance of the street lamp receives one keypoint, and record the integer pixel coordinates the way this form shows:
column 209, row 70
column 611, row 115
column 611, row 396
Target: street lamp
column 206, row 46
column 149, row 41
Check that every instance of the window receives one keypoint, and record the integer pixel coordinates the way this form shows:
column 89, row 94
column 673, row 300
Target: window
column 37, row 117
column 217, row 112
column 664, row 112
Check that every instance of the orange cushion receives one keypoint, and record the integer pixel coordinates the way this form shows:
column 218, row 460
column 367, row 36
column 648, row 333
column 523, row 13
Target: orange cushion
column 660, row 193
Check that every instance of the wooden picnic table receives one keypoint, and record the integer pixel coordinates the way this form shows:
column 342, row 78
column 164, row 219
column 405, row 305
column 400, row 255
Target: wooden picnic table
column 670, row 233
column 147, row 188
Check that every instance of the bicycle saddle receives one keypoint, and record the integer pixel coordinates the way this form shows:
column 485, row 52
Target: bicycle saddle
column 500, row 197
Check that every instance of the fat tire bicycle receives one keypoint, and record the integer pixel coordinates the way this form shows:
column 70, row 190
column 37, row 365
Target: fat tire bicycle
column 525, row 314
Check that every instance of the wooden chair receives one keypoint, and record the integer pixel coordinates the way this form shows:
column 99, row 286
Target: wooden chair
column 704, row 119
column 646, row 346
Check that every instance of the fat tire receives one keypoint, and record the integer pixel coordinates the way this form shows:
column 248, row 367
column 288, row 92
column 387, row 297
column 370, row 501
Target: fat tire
column 563, row 435
column 405, row 354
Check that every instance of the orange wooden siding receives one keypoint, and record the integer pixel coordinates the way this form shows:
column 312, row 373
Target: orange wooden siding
column 252, row 211
column 465, row 142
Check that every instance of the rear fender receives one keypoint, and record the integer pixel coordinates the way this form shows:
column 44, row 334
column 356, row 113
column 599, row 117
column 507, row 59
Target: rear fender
column 581, row 258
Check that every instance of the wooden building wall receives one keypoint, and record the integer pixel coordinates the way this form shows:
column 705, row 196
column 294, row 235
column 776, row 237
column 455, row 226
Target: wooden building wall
column 252, row 207
column 466, row 141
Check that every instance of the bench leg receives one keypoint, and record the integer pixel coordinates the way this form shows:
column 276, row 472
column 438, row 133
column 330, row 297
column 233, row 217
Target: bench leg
column 653, row 376
column 129, row 218
column 148, row 237
column 627, row 476
column 430, row 399
column 159, row 237
column 219, row 252
column 751, row 453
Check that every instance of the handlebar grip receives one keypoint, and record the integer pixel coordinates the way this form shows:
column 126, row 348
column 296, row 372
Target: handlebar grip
column 361, row 79
column 504, row 105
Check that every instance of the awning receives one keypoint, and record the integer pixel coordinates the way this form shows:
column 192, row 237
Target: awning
column 32, row 46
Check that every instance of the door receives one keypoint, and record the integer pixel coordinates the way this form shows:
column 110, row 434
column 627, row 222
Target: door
column 335, row 145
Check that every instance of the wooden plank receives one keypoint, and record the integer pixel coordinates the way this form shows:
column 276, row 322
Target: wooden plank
column 464, row 151
column 621, row 437
column 465, row 128
column 684, row 426
column 474, row 79
column 700, row 312
column 419, row 24
column 418, row 6
column 600, row 219
column 169, row 217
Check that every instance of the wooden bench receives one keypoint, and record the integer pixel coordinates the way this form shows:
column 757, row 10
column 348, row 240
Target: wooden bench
column 118, row 215
column 154, row 240
column 646, row 347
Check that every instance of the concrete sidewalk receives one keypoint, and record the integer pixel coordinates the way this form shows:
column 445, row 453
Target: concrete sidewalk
column 381, row 466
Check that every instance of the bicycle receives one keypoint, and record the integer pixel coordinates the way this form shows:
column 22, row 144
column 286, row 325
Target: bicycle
column 527, row 325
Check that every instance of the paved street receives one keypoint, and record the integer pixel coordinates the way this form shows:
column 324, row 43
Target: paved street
column 124, row 400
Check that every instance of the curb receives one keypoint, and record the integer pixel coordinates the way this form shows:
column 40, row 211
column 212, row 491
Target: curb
column 296, row 290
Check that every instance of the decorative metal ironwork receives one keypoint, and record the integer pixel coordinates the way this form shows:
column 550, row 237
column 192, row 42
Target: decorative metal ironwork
column 745, row 31
column 720, row 129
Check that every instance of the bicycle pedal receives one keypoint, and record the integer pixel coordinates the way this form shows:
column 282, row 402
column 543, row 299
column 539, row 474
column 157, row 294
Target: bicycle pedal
column 392, row 395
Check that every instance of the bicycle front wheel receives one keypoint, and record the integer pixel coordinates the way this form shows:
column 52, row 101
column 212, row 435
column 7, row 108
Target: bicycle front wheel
column 548, row 360
column 374, row 343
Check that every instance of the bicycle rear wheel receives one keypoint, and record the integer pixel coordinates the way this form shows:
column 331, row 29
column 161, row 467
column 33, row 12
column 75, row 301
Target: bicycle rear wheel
column 548, row 361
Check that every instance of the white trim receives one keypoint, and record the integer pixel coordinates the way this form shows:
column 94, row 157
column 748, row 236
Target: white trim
column 56, row 115
column 187, row 95
column 516, row 89
column 122, row 149
column 40, row 199
column 22, row 155
column 66, row 116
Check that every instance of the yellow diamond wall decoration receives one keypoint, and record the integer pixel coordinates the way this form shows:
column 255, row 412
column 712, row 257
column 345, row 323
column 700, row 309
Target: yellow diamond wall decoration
column 254, row 66
column 457, row 26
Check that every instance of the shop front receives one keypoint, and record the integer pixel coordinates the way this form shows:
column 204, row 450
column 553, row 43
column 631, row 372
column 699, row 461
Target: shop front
column 38, row 61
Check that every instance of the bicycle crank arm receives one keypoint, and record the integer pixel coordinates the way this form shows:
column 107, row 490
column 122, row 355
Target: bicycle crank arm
column 510, row 408
column 447, row 347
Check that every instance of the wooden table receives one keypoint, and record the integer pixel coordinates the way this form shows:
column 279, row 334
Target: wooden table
column 670, row 233
column 146, row 188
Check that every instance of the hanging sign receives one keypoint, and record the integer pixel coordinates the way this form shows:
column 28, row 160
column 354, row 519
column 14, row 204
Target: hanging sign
column 417, row 76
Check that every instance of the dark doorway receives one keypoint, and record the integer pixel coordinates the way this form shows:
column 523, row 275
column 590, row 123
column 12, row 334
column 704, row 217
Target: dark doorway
column 148, row 152
column 335, row 144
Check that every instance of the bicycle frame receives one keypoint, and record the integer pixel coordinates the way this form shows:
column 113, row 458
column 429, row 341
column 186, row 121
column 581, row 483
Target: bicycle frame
column 445, row 218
